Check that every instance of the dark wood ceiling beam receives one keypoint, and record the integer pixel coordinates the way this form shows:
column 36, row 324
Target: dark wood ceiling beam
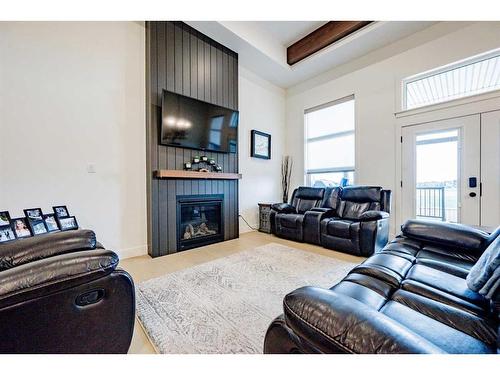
column 320, row 38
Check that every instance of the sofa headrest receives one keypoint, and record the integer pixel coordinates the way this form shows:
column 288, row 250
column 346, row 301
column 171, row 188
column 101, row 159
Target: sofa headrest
column 304, row 192
column 25, row 250
column 447, row 234
column 362, row 194
column 331, row 197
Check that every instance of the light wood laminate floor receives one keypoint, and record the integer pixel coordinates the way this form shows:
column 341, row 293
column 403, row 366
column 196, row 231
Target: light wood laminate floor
column 144, row 267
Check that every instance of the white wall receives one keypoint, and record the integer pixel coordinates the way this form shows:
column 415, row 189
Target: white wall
column 71, row 94
column 376, row 88
column 262, row 107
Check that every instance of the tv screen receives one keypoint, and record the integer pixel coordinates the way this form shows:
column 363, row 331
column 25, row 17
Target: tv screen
column 191, row 123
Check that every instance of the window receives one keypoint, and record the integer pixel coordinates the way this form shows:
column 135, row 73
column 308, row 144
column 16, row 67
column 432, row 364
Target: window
column 475, row 75
column 329, row 133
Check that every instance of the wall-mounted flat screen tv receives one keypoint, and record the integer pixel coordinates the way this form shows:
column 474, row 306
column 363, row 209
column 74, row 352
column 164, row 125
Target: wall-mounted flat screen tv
column 192, row 123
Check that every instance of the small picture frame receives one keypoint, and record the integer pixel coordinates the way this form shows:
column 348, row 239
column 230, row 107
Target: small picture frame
column 61, row 211
column 7, row 233
column 51, row 223
column 261, row 145
column 37, row 227
column 33, row 213
column 67, row 223
column 21, row 228
column 4, row 218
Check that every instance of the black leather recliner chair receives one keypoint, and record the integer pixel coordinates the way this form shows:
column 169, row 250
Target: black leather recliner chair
column 360, row 225
column 434, row 289
column 288, row 218
column 62, row 293
column 352, row 219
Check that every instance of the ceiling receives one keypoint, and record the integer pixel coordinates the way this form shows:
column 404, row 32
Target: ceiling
column 288, row 32
column 261, row 45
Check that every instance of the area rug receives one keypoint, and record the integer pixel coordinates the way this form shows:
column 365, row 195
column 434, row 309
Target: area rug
column 226, row 305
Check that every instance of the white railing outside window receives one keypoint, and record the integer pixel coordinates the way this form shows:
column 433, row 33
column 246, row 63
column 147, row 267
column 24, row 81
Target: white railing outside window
column 472, row 76
column 329, row 148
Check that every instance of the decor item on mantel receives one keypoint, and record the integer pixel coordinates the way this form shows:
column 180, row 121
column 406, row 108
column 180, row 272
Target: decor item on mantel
column 286, row 174
column 203, row 164
column 261, row 145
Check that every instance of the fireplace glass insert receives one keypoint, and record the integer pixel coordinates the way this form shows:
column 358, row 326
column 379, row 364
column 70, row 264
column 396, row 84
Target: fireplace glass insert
column 199, row 220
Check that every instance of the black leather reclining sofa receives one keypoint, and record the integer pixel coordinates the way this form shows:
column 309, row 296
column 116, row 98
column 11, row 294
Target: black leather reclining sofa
column 62, row 293
column 352, row 219
column 434, row 289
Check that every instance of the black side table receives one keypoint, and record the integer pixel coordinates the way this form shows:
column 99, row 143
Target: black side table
column 264, row 214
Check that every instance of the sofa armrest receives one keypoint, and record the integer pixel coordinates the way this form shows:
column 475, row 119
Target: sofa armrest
column 45, row 276
column 335, row 323
column 447, row 234
column 25, row 250
column 373, row 215
column 329, row 211
column 284, row 208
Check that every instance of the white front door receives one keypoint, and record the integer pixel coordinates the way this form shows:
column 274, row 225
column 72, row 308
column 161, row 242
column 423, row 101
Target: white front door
column 490, row 168
column 441, row 170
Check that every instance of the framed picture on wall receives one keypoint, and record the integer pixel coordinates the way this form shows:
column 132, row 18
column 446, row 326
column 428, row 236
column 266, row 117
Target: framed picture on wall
column 261, row 145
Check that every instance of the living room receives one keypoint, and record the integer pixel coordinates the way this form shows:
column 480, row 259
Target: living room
column 239, row 185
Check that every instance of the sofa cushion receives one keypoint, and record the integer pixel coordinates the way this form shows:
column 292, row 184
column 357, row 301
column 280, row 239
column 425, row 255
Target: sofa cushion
column 352, row 210
column 447, row 283
column 361, row 293
column 283, row 208
column 304, row 198
column 443, row 336
column 292, row 221
column 471, row 324
column 442, row 262
column 386, row 267
column 332, row 198
column 339, row 228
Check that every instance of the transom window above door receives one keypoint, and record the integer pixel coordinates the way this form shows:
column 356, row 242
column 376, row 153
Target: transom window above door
column 472, row 76
column 329, row 148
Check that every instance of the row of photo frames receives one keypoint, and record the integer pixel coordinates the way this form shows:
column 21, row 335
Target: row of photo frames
column 35, row 223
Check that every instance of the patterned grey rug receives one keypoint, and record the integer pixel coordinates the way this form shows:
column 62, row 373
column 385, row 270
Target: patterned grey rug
column 226, row 305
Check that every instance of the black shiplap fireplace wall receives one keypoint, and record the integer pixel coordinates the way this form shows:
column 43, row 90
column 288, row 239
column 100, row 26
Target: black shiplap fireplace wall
column 182, row 60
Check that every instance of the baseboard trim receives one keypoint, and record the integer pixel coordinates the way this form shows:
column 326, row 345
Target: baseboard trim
column 245, row 229
column 132, row 252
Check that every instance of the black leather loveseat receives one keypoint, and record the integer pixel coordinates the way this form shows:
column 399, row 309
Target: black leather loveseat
column 434, row 289
column 353, row 219
column 62, row 293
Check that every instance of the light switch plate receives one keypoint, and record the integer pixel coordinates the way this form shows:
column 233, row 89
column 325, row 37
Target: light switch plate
column 91, row 168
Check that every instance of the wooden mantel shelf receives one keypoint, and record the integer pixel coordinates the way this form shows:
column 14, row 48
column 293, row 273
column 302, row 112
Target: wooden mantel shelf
column 171, row 173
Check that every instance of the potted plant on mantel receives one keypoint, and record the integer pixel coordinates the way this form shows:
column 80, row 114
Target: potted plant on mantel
column 286, row 174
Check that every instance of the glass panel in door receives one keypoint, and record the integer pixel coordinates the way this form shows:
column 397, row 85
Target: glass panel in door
column 437, row 175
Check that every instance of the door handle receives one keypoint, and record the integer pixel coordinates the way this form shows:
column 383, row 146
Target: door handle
column 89, row 298
column 472, row 194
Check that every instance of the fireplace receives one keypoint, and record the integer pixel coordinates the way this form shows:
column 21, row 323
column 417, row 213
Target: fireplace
column 199, row 220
